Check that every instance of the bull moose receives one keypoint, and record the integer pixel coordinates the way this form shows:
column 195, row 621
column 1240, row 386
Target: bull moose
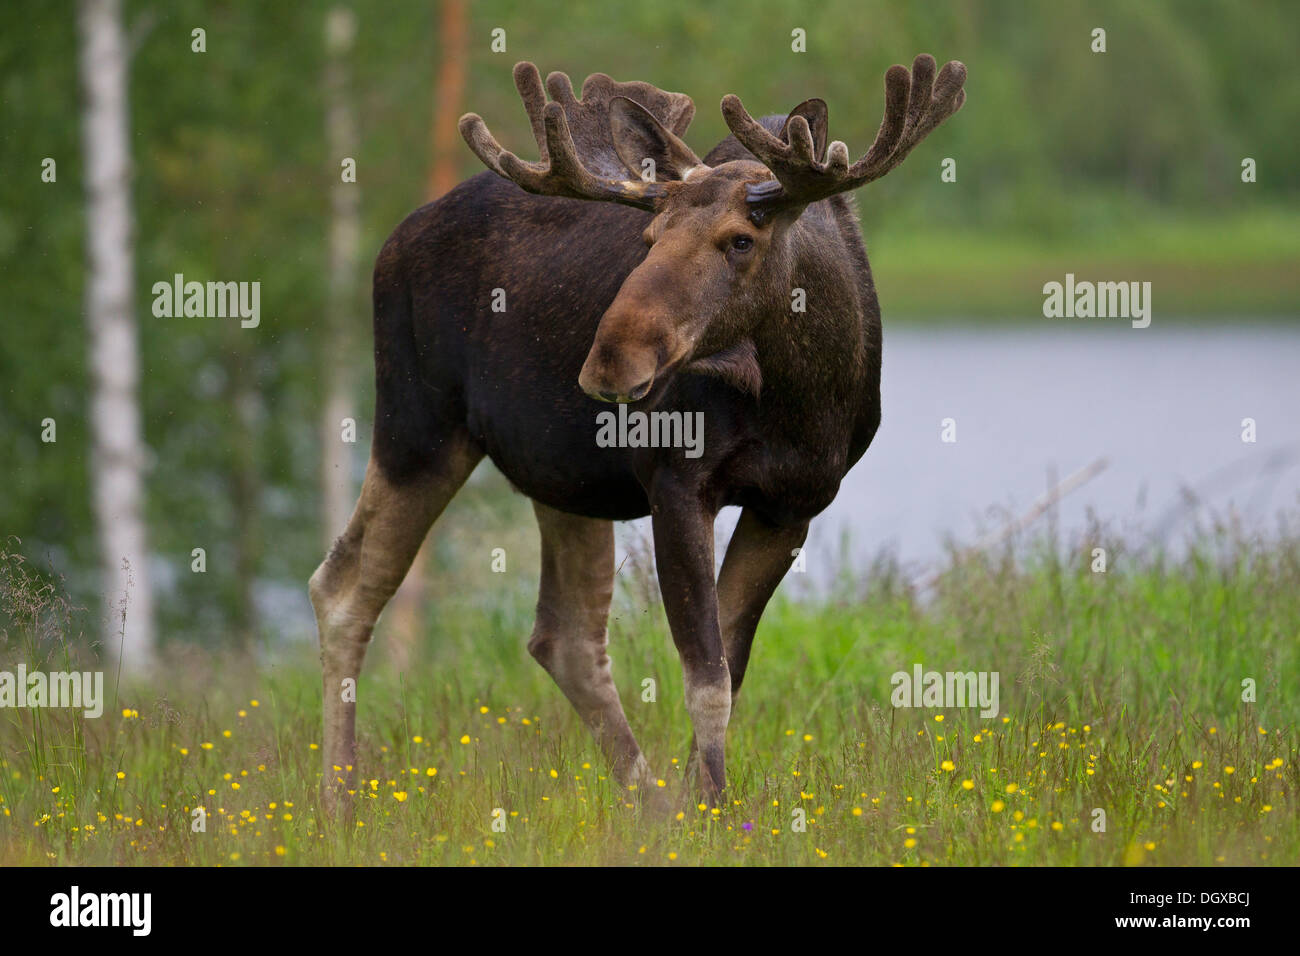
column 631, row 271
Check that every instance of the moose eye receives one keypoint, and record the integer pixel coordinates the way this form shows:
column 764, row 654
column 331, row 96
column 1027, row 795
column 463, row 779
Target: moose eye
column 742, row 243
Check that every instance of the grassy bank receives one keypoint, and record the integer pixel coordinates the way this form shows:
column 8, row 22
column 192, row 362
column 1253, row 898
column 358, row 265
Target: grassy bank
column 1119, row 692
column 1245, row 264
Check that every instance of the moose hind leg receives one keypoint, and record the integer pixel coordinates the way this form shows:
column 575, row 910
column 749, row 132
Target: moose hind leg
column 570, row 637
column 363, row 569
column 758, row 557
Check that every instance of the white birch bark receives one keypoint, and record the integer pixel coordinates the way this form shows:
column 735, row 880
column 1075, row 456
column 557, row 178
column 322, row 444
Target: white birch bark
column 345, row 202
column 118, row 453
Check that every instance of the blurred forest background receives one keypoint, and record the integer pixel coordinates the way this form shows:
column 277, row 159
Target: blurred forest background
column 1067, row 160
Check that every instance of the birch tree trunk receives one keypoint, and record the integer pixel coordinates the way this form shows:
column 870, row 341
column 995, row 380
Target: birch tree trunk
column 406, row 621
column 341, row 303
column 118, row 453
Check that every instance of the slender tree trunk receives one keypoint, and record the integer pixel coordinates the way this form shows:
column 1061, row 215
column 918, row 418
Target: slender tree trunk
column 406, row 620
column 118, row 451
column 447, row 143
column 245, row 484
column 341, row 303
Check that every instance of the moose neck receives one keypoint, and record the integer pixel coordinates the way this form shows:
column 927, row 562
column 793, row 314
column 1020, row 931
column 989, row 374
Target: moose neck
column 817, row 363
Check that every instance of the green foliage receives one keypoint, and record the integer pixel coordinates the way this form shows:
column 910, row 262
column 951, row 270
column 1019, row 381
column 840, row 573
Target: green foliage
column 1119, row 691
column 1060, row 153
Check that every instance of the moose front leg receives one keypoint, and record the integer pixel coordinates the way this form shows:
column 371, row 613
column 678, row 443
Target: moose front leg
column 683, row 533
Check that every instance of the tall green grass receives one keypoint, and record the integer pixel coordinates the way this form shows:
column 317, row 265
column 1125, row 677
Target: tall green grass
column 1121, row 694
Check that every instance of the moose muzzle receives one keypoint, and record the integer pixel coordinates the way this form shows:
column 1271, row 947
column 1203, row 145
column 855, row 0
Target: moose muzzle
column 619, row 368
column 645, row 332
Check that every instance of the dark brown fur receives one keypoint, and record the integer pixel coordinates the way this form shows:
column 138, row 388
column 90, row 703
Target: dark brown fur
column 662, row 306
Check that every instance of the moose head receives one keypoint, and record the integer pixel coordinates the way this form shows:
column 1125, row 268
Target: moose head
column 719, row 240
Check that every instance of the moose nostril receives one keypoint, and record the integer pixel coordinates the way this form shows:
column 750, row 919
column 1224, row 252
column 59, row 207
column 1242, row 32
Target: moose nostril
column 631, row 396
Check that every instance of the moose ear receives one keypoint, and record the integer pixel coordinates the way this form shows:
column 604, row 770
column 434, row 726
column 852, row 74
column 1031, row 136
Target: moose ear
column 638, row 136
column 816, row 116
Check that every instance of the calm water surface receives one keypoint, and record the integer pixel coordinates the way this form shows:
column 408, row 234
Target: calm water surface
column 1163, row 405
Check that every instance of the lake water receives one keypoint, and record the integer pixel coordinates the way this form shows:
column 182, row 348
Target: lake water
column 1163, row 405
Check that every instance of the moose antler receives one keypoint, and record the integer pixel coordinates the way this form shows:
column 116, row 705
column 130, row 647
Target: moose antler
column 579, row 157
column 914, row 105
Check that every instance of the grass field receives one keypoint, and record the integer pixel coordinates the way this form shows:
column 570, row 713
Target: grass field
column 1202, row 269
column 1120, row 692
